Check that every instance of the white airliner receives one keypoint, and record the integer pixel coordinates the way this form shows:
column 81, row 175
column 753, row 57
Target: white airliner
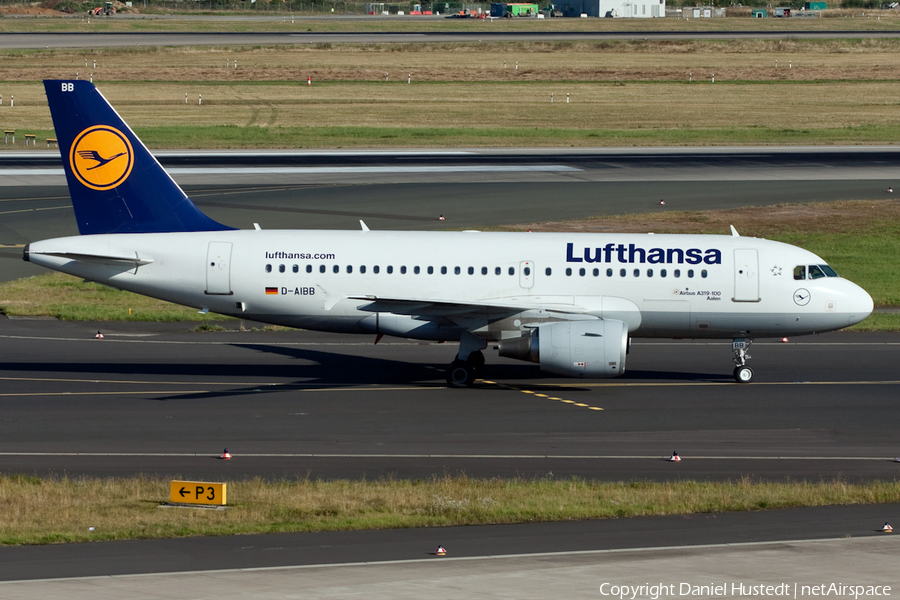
column 570, row 302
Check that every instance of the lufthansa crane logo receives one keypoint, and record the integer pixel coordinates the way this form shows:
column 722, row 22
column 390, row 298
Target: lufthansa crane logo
column 101, row 157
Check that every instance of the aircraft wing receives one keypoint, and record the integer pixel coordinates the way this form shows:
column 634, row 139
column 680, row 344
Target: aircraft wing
column 454, row 310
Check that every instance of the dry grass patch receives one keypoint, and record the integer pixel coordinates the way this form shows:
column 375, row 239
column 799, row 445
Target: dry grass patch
column 71, row 299
column 642, row 107
column 853, row 217
column 39, row 511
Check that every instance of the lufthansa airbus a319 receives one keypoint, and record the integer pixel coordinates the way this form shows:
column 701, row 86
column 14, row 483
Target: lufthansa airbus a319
column 569, row 302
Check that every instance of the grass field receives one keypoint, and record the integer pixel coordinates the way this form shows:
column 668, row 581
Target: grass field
column 43, row 511
column 619, row 93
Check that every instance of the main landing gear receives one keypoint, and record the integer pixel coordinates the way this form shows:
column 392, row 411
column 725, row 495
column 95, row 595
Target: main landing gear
column 469, row 362
column 742, row 373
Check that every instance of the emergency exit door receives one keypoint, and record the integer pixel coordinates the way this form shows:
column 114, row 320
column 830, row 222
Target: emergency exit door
column 218, row 268
column 746, row 275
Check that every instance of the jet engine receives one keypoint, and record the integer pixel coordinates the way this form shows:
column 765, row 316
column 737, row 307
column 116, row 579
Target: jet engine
column 574, row 348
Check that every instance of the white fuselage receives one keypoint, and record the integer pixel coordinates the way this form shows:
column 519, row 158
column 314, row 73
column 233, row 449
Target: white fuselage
column 431, row 285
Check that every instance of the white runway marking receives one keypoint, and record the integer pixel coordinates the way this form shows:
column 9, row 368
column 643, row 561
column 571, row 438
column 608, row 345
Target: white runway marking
column 320, row 170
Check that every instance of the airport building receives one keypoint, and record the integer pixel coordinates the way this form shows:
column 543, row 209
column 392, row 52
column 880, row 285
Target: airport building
column 613, row 8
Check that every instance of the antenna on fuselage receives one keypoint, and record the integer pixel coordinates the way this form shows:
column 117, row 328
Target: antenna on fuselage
column 734, row 231
column 363, row 225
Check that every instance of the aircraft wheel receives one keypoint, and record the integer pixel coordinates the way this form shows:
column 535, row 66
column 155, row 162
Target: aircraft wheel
column 460, row 374
column 476, row 361
column 743, row 374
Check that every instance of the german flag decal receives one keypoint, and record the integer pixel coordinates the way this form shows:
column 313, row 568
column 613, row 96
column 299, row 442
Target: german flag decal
column 273, row 290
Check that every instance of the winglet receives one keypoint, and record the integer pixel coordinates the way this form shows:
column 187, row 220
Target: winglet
column 734, row 231
column 116, row 185
column 363, row 225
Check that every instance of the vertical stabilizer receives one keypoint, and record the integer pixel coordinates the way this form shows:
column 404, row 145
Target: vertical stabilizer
column 116, row 185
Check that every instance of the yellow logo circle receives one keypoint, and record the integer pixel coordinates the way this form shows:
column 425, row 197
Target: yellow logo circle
column 101, row 157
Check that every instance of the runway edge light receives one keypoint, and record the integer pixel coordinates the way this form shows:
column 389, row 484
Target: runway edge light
column 225, row 455
column 887, row 528
column 441, row 551
column 675, row 457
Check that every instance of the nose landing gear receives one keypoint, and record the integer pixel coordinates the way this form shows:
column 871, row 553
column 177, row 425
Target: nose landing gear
column 742, row 373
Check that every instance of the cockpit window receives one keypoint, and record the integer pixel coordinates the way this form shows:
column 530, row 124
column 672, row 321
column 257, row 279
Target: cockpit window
column 815, row 272
column 829, row 272
column 800, row 272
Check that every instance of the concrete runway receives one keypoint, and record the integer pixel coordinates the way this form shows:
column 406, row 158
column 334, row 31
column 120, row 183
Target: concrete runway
column 568, row 559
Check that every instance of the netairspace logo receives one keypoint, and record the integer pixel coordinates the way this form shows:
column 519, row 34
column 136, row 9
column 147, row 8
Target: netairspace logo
column 781, row 590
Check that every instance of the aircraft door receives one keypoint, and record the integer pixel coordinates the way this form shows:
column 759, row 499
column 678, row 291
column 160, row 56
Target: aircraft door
column 526, row 274
column 746, row 275
column 218, row 268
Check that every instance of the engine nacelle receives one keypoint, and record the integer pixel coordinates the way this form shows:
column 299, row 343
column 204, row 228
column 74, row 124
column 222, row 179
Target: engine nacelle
column 574, row 348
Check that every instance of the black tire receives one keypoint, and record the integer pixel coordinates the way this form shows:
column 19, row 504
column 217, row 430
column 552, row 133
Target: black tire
column 460, row 374
column 476, row 361
column 743, row 374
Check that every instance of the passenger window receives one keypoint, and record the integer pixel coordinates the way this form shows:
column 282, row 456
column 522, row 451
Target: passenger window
column 362, row 269
column 703, row 273
column 800, row 272
column 527, row 271
column 336, row 269
column 568, row 271
column 484, row 270
column 609, row 272
column 512, row 270
column 829, row 272
column 677, row 272
column 621, row 272
column 443, row 270
column 403, row 270
column 376, row 269
column 281, row 268
column 321, row 268
column 596, row 272
column 268, row 268
column 431, row 270
column 662, row 273
column 349, row 268
column 497, row 271
column 815, row 272
column 471, row 270
column 309, row 268
column 390, row 269
column 416, row 270
column 456, row 270
column 296, row 268
column 548, row 271
column 581, row 272
column 690, row 273
column 637, row 272
column 649, row 272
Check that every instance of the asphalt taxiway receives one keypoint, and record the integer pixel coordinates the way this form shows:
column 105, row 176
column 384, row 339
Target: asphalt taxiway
column 152, row 399
column 210, row 38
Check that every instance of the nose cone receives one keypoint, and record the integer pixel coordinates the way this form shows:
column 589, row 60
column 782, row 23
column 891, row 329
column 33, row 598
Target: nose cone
column 861, row 305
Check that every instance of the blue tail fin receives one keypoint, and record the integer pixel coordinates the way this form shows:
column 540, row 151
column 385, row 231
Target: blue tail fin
column 115, row 183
